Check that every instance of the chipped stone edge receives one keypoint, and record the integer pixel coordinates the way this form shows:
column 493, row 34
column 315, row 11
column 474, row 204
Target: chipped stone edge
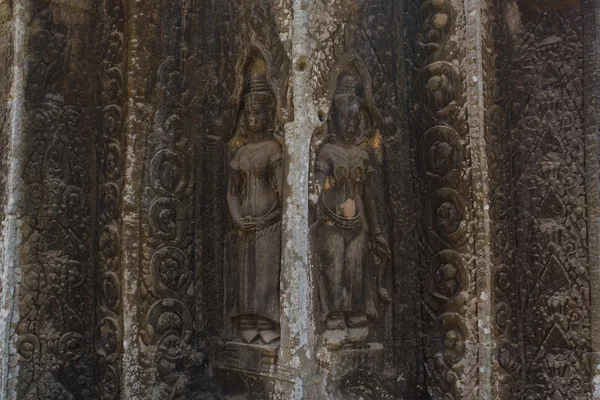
column 297, row 324
column 11, row 240
column 480, row 187
column 136, row 136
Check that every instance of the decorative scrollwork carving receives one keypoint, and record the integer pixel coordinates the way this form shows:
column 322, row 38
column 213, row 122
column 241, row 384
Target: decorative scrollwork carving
column 108, row 334
column 55, row 324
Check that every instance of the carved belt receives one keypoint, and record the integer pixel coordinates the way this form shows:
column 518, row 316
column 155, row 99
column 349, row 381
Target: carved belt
column 346, row 223
column 269, row 218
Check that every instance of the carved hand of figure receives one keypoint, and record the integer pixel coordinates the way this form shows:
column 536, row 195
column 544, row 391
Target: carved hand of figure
column 381, row 290
column 382, row 242
column 246, row 224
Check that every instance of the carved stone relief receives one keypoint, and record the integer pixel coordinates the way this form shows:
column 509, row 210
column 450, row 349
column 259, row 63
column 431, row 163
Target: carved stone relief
column 445, row 200
column 240, row 192
column 550, row 207
column 444, row 194
column 350, row 253
column 254, row 199
column 56, row 306
column 167, row 295
column 237, row 33
column 361, row 217
column 253, row 252
column 108, row 336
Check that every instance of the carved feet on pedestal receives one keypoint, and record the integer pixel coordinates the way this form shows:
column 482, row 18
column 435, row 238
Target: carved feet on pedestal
column 258, row 330
column 345, row 331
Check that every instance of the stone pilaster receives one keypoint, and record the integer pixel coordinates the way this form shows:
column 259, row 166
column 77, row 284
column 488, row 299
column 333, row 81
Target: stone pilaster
column 552, row 250
column 8, row 90
column 110, row 139
column 450, row 106
column 297, row 343
column 158, row 208
column 51, row 208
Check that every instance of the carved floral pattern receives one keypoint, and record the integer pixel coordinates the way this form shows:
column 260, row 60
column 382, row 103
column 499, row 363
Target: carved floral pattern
column 442, row 187
column 55, row 330
column 167, row 293
column 108, row 335
column 550, row 207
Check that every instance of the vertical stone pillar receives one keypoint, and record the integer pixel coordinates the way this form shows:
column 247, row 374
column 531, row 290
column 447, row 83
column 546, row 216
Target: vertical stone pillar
column 8, row 90
column 138, row 125
column 503, row 318
column 476, row 34
column 158, row 207
column 297, row 290
column 110, row 139
column 50, row 185
column 450, row 121
column 553, row 251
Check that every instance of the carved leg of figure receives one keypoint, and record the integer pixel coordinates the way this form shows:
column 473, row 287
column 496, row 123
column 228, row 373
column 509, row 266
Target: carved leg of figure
column 358, row 329
column 335, row 335
column 267, row 330
column 248, row 330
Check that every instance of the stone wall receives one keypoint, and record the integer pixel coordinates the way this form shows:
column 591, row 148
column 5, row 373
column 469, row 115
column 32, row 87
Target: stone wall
column 299, row 199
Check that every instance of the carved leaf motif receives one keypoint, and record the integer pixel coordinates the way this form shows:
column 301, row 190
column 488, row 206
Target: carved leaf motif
column 50, row 321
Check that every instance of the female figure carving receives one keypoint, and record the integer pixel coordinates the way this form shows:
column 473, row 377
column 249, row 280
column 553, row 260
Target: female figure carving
column 254, row 202
column 346, row 217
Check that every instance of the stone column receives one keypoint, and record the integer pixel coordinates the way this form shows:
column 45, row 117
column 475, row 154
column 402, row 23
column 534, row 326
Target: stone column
column 48, row 258
column 551, row 271
column 110, row 145
column 297, row 342
column 138, row 124
column 451, row 104
column 9, row 89
column 158, row 207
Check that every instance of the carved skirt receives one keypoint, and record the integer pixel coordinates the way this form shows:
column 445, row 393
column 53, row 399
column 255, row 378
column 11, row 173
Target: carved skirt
column 340, row 257
column 252, row 279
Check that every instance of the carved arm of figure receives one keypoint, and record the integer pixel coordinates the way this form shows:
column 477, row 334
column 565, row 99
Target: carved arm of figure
column 234, row 203
column 371, row 211
column 321, row 171
column 277, row 176
column 320, row 178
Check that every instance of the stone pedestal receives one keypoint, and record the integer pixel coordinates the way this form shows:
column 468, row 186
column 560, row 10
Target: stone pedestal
column 335, row 367
column 261, row 361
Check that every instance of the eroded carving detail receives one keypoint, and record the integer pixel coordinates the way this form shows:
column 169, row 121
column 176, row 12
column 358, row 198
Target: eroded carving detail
column 547, row 143
column 254, row 199
column 108, row 336
column 345, row 263
column 169, row 357
column 443, row 189
column 55, row 299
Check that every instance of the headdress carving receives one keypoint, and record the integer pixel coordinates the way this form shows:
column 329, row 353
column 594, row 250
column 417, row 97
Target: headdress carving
column 348, row 83
column 259, row 86
column 348, row 90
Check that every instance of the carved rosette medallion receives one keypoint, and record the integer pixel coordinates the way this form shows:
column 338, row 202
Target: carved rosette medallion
column 167, row 294
column 442, row 159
